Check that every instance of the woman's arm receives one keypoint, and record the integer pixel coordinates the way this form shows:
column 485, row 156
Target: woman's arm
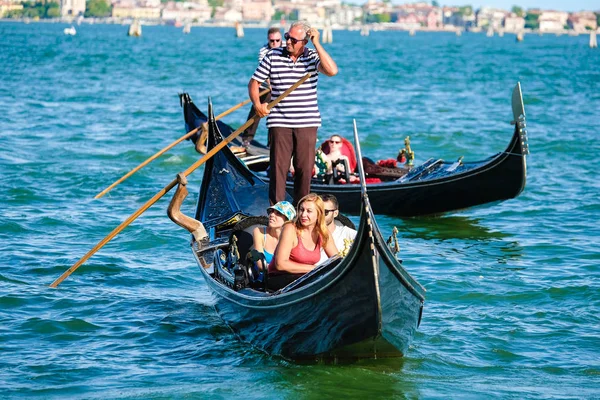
column 287, row 242
column 331, row 250
column 257, row 238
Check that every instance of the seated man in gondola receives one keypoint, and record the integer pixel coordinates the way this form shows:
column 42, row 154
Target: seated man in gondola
column 194, row 226
column 342, row 235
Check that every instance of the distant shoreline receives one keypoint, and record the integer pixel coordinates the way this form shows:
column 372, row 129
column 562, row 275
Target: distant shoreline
column 264, row 25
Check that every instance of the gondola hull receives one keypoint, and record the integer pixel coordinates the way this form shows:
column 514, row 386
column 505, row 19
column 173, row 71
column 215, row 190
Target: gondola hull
column 364, row 305
column 502, row 177
column 439, row 188
column 342, row 314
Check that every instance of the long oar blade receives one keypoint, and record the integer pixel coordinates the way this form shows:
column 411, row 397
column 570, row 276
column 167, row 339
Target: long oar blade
column 169, row 147
column 170, row 186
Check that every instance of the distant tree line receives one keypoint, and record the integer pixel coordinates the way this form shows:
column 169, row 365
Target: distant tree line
column 291, row 16
column 51, row 9
column 214, row 4
column 97, row 8
column 37, row 9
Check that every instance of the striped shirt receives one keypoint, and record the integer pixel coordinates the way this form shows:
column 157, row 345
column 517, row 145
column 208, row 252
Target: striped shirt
column 299, row 109
column 263, row 51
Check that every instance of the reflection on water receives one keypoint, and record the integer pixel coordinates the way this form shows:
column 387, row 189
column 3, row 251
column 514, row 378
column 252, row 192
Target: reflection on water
column 384, row 378
column 442, row 228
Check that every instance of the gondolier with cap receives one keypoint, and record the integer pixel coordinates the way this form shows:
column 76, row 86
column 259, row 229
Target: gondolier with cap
column 292, row 123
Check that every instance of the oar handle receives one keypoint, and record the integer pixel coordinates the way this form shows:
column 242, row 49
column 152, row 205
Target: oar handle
column 169, row 147
column 170, row 186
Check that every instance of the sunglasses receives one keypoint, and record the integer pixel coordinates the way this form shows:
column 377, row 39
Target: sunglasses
column 335, row 141
column 293, row 40
column 329, row 211
column 274, row 40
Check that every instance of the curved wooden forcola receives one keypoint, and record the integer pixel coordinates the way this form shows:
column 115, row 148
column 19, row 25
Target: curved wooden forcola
column 363, row 305
column 435, row 187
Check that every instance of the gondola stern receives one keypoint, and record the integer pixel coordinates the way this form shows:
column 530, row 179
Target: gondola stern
column 517, row 102
column 518, row 109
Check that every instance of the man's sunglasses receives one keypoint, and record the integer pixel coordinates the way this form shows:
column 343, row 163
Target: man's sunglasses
column 274, row 40
column 329, row 211
column 293, row 40
column 335, row 141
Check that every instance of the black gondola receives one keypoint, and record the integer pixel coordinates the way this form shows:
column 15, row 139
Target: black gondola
column 434, row 187
column 363, row 305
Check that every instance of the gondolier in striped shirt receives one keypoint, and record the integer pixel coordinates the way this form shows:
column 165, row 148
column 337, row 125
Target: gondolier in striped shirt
column 292, row 123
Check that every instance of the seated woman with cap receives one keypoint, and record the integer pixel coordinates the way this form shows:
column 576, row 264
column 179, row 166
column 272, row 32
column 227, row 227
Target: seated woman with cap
column 266, row 238
column 299, row 247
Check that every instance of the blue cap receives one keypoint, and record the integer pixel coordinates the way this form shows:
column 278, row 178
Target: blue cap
column 285, row 208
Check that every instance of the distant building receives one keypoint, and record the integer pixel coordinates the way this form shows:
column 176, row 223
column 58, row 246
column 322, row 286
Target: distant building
column 72, row 8
column 406, row 20
column 6, row 6
column 553, row 21
column 257, row 10
column 434, row 18
column 487, row 17
column 377, row 7
column 228, row 14
column 514, row 23
column 186, row 11
column 411, row 16
column 127, row 10
column 583, row 21
column 314, row 16
column 452, row 16
column 346, row 15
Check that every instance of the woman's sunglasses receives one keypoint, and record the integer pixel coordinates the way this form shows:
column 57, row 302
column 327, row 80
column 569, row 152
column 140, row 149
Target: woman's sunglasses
column 335, row 141
column 293, row 40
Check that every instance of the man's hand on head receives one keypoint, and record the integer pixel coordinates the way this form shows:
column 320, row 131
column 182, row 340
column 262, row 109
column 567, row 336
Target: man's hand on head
column 313, row 34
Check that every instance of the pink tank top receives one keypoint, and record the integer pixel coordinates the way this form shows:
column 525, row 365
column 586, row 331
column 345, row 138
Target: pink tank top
column 300, row 254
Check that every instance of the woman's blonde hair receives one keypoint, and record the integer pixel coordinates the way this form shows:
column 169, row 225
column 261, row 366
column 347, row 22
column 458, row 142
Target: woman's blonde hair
column 320, row 226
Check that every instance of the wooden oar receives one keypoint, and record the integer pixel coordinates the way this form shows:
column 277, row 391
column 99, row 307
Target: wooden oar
column 181, row 139
column 170, row 186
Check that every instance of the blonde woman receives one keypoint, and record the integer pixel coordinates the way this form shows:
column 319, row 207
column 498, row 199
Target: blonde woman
column 300, row 243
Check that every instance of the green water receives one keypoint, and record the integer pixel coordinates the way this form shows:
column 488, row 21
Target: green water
column 513, row 300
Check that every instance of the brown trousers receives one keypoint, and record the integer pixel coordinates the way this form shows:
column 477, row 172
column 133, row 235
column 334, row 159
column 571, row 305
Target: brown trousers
column 285, row 143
